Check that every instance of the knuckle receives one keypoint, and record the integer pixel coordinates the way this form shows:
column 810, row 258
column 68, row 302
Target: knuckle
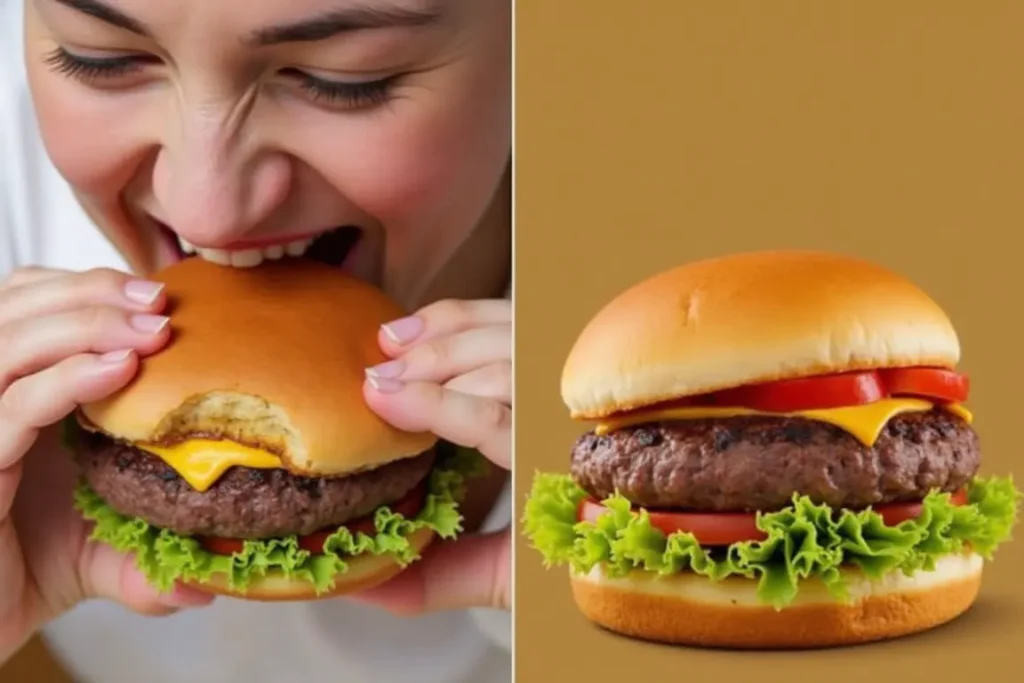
column 11, row 399
column 94, row 321
column 432, row 354
column 21, row 275
column 502, row 374
column 492, row 416
column 99, row 280
column 449, row 310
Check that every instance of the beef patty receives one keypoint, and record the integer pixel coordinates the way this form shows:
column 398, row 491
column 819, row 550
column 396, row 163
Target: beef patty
column 757, row 463
column 244, row 502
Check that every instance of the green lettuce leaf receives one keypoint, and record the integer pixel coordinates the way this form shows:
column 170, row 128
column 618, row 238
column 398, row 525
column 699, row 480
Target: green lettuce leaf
column 165, row 557
column 804, row 541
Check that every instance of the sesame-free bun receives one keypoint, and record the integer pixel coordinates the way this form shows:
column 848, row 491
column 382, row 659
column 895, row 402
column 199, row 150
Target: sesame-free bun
column 364, row 572
column 273, row 357
column 748, row 318
column 688, row 609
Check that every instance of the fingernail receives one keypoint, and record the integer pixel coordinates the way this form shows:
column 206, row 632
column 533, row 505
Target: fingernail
column 116, row 356
column 143, row 291
column 391, row 369
column 385, row 385
column 149, row 324
column 403, row 330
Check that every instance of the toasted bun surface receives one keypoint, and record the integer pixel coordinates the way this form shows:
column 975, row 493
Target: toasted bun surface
column 748, row 318
column 688, row 609
column 364, row 572
column 272, row 357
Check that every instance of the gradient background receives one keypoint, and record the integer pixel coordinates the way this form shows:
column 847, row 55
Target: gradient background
column 647, row 138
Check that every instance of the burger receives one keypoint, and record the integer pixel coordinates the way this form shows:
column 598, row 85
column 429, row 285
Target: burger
column 780, row 456
column 243, row 460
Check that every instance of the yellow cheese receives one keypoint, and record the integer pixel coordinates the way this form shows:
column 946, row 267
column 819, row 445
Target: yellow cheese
column 201, row 462
column 863, row 422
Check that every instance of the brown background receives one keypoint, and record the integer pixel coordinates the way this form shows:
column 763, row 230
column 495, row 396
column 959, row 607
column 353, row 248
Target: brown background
column 647, row 138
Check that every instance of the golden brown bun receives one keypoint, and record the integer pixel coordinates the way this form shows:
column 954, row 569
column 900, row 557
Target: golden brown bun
column 272, row 356
column 749, row 318
column 688, row 609
column 364, row 572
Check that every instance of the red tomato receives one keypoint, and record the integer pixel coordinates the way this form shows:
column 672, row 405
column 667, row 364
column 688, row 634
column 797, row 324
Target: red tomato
column 710, row 528
column 726, row 528
column 808, row 393
column 408, row 506
column 930, row 383
column 895, row 513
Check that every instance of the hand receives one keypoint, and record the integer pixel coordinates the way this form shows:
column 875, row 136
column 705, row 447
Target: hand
column 65, row 339
column 450, row 373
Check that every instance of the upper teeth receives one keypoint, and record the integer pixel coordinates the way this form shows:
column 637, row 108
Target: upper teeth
column 247, row 258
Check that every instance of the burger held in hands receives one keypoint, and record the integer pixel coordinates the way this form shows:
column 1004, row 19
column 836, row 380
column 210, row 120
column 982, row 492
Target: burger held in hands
column 781, row 457
column 243, row 460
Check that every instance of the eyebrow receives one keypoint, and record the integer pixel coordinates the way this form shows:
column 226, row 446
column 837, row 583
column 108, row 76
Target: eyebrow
column 106, row 13
column 327, row 25
column 349, row 20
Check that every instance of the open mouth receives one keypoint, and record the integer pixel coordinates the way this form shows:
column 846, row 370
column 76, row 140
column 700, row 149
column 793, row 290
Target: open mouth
column 332, row 247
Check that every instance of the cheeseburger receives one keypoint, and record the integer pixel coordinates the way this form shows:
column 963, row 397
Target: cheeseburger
column 781, row 457
column 242, row 459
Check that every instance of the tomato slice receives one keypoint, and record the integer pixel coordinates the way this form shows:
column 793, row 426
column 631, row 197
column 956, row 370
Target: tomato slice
column 726, row 528
column 807, row 393
column 934, row 383
column 408, row 506
column 895, row 513
column 709, row 528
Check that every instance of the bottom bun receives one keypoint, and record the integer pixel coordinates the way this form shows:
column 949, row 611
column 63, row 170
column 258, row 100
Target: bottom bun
column 688, row 609
column 364, row 572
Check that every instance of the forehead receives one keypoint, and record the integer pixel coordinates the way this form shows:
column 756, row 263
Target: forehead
column 149, row 16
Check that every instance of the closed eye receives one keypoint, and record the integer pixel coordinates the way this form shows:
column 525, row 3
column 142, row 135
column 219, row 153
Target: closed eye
column 351, row 94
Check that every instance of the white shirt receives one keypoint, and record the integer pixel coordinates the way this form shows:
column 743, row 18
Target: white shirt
column 232, row 640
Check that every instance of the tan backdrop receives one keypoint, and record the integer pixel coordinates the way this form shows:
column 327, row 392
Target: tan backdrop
column 651, row 137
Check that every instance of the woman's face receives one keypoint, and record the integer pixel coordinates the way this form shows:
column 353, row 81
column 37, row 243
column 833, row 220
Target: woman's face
column 249, row 128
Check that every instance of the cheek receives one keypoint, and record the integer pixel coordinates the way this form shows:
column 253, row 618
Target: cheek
column 90, row 136
column 417, row 162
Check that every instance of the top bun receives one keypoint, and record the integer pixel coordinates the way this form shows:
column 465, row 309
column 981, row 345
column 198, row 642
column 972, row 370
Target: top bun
column 749, row 318
column 273, row 357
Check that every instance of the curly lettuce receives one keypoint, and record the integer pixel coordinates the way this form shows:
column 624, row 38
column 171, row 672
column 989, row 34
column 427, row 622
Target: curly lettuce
column 165, row 557
column 804, row 540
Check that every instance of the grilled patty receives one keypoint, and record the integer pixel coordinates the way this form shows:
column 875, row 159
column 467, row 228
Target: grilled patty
column 245, row 502
column 757, row 463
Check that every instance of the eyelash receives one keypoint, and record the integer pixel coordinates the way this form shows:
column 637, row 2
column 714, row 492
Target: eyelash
column 87, row 69
column 355, row 95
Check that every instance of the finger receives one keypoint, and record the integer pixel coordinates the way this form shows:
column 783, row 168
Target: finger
column 45, row 398
column 441, row 319
column 29, row 274
column 101, row 286
column 105, row 573
column 473, row 571
column 442, row 358
column 492, row 381
column 32, row 344
column 468, row 421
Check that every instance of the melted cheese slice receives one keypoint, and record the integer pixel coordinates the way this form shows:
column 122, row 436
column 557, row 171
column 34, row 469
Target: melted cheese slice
column 864, row 422
column 201, row 462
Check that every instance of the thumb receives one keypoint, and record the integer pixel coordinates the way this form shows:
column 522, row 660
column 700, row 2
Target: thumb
column 106, row 573
column 473, row 571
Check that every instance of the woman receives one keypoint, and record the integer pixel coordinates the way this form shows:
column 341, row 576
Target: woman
column 211, row 124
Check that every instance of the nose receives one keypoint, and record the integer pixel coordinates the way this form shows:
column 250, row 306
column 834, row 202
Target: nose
column 214, row 183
